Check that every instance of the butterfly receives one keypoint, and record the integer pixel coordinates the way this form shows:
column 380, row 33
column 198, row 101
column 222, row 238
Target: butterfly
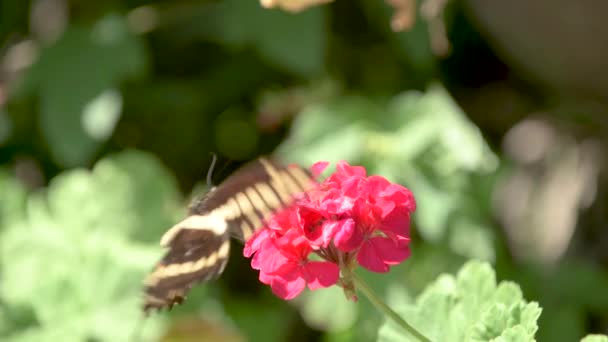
column 199, row 245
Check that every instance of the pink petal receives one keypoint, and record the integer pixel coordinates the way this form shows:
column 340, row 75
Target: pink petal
column 365, row 216
column 255, row 262
column 318, row 168
column 347, row 237
column 269, row 259
column 400, row 195
column 369, row 258
column 283, row 220
column 378, row 253
column 376, row 185
column 289, row 283
column 329, row 229
column 335, row 202
column 343, row 173
column 344, row 168
column 253, row 244
column 293, row 245
column 384, row 207
column 311, row 225
column 320, row 274
column 397, row 222
column 391, row 251
column 266, row 278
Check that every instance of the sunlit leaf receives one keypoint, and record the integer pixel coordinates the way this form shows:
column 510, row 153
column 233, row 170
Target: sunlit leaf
column 101, row 114
column 595, row 338
column 72, row 259
column 468, row 307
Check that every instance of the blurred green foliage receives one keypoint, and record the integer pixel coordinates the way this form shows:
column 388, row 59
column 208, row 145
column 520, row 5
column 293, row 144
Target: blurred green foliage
column 108, row 112
column 82, row 61
column 72, row 264
column 295, row 43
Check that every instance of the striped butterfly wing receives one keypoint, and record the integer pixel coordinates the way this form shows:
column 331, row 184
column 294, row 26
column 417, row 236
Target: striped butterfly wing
column 198, row 247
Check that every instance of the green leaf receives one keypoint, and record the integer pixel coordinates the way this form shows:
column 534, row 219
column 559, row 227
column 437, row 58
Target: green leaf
column 295, row 42
column 72, row 260
column 468, row 307
column 436, row 122
column 75, row 79
column 472, row 238
column 330, row 132
column 149, row 187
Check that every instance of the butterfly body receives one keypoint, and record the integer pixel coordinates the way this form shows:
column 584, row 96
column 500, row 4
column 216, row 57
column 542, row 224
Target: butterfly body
column 198, row 246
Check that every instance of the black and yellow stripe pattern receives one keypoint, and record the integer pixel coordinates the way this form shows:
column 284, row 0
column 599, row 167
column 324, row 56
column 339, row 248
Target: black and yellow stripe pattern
column 198, row 246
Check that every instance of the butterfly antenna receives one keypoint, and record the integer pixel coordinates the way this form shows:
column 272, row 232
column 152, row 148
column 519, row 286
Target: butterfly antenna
column 210, row 172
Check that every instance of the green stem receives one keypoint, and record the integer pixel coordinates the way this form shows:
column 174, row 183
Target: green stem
column 382, row 307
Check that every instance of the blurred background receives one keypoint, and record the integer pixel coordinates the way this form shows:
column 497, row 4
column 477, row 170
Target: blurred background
column 494, row 113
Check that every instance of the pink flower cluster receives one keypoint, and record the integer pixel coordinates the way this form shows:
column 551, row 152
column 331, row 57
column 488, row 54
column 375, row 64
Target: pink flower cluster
column 350, row 218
